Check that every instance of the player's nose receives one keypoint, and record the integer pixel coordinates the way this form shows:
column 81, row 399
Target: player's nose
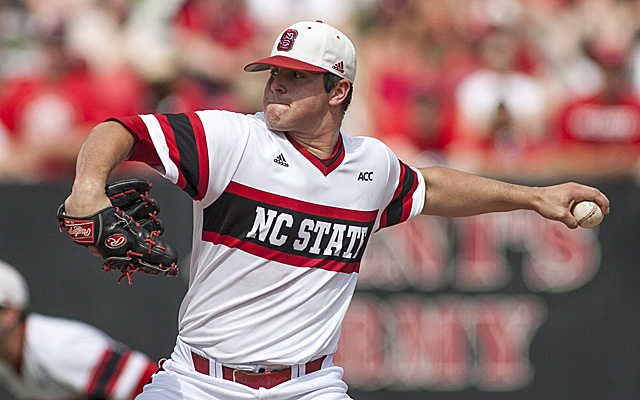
column 276, row 84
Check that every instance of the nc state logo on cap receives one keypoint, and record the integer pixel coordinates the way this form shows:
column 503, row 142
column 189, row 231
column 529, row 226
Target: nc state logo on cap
column 286, row 40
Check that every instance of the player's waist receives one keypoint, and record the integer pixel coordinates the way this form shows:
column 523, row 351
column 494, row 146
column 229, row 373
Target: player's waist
column 254, row 375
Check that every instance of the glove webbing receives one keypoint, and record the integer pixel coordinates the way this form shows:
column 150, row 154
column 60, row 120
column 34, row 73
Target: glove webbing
column 144, row 196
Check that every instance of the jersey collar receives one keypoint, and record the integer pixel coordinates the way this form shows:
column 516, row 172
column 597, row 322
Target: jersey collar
column 327, row 165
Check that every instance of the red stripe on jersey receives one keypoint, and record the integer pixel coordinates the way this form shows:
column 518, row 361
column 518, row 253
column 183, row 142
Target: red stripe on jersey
column 284, row 258
column 203, row 155
column 399, row 209
column 298, row 205
column 98, row 371
column 108, row 390
column 144, row 150
column 407, row 200
column 194, row 135
column 174, row 154
column 145, row 378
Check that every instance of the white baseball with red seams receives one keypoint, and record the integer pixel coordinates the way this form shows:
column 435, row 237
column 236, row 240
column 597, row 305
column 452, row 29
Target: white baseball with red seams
column 588, row 214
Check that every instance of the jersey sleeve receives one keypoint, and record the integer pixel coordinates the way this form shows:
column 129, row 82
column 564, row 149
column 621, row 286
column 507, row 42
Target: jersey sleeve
column 187, row 147
column 121, row 373
column 408, row 197
column 85, row 359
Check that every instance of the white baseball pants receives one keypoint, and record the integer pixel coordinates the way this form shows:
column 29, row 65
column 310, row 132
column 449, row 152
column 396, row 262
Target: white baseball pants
column 178, row 380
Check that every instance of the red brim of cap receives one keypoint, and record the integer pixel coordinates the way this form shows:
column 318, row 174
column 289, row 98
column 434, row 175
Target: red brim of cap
column 282, row 62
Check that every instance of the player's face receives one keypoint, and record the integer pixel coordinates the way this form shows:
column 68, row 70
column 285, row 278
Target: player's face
column 7, row 321
column 295, row 101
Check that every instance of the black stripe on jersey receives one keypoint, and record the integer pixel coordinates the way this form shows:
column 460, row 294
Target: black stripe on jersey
column 187, row 149
column 108, row 371
column 288, row 234
column 397, row 211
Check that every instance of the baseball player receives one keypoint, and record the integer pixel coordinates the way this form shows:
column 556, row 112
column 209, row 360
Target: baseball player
column 284, row 204
column 44, row 357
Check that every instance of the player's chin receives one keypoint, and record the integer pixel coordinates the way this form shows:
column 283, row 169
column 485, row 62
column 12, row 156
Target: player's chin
column 273, row 120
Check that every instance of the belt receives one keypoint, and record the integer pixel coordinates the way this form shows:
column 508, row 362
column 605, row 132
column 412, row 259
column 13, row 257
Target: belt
column 254, row 380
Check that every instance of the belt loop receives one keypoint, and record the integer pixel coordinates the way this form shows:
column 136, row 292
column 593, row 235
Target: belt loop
column 302, row 369
column 216, row 368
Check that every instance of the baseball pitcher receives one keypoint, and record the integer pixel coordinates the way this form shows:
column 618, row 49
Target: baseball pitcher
column 284, row 204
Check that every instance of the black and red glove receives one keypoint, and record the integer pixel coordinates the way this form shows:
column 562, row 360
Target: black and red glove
column 127, row 233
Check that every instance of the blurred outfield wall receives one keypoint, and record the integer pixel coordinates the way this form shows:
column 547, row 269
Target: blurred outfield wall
column 502, row 306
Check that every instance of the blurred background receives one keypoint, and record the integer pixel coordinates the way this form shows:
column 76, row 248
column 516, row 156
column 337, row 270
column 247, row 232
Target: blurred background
column 529, row 91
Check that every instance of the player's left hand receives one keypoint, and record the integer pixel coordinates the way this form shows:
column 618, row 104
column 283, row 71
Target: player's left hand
column 126, row 234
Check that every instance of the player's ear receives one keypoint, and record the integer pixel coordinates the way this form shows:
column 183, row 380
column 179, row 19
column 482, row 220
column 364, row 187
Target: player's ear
column 339, row 92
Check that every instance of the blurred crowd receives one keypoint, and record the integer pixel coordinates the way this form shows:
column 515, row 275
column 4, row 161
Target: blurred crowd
column 517, row 89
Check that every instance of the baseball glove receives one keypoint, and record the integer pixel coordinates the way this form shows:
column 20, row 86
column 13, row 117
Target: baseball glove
column 126, row 234
column 132, row 197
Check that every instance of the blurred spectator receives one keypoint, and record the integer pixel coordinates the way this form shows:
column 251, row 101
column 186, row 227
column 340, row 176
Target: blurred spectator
column 19, row 42
column 413, row 117
column 557, row 29
column 604, row 126
column 147, row 34
column 45, row 357
column 213, row 41
column 47, row 115
column 49, row 111
column 635, row 61
column 436, row 81
column 274, row 14
column 5, row 141
column 501, row 112
column 410, row 48
column 428, row 127
column 99, row 37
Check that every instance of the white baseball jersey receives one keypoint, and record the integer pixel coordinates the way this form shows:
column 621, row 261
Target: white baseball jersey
column 278, row 233
column 67, row 359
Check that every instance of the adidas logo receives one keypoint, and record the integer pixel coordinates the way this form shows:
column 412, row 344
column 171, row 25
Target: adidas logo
column 280, row 160
column 339, row 67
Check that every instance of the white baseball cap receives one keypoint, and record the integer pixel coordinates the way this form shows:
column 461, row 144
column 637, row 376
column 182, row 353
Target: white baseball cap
column 311, row 46
column 14, row 291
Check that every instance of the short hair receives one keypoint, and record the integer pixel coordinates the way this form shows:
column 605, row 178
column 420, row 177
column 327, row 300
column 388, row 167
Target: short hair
column 330, row 82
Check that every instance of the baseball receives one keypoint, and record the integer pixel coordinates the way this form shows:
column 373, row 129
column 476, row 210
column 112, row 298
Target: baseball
column 588, row 214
